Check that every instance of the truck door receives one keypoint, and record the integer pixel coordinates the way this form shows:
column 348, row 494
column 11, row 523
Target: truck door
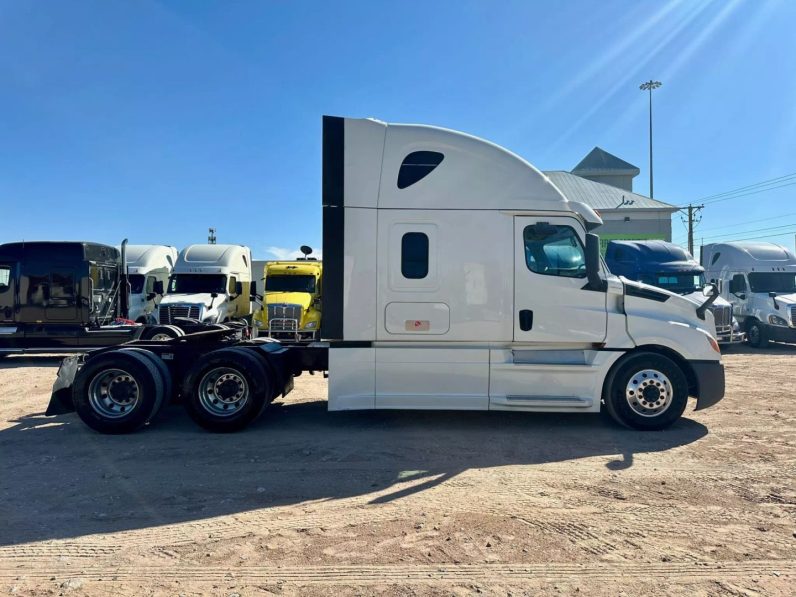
column 9, row 331
column 552, row 301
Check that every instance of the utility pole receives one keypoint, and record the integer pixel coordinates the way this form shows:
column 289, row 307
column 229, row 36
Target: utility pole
column 211, row 236
column 649, row 86
column 691, row 212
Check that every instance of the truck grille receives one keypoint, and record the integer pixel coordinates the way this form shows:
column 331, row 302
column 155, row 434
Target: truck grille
column 284, row 317
column 793, row 314
column 723, row 317
column 169, row 313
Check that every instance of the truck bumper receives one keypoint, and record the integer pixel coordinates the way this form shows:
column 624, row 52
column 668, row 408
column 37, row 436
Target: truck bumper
column 732, row 338
column 710, row 382
column 781, row 334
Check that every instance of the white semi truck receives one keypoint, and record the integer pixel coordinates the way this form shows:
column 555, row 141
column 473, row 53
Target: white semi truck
column 456, row 276
column 148, row 271
column 759, row 280
column 209, row 283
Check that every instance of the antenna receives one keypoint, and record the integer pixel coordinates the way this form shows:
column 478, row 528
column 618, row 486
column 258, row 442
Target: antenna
column 211, row 236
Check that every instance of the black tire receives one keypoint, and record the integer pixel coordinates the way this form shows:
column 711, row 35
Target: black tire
column 206, row 407
column 756, row 334
column 631, row 370
column 165, row 376
column 93, row 405
column 159, row 332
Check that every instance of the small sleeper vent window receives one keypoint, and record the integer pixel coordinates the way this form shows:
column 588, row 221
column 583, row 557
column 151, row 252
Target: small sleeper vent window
column 416, row 166
column 414, row 255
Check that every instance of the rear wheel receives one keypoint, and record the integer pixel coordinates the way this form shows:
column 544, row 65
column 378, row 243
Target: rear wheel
column 647, row 391
column 162, row 333
column 165, row 376
column 118, row 392
column 227, row 389
column 756, row 334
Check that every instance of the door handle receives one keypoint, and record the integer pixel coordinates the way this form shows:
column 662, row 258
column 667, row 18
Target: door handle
column 526, row 320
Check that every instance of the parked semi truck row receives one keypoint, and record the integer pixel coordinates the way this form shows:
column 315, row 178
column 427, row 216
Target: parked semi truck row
column 759, row 280
column 665, row 265
column 456, row 276
column 291, row 309
column 60, row 297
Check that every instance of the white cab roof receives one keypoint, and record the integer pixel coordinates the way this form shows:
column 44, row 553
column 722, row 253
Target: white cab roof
column 473, row 173
column 761, row 256
column 198, row 257
column 142, row 259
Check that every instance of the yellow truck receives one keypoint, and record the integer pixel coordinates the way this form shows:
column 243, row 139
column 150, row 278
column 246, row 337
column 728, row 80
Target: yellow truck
column 292, row 301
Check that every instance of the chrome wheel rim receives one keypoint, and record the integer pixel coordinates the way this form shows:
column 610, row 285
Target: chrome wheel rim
column 649, row 393
column 223, row 391
column 161, row 337
column 114, row 393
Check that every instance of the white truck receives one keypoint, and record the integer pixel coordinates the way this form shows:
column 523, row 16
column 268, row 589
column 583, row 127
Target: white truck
column 759, row 280
column 209, row 283
column 148, row 271
column 456, row 276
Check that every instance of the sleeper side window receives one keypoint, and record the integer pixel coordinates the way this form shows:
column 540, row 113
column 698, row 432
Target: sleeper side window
column 554, row 250
column 414, row 255
column 5, row 278
column 416, row 166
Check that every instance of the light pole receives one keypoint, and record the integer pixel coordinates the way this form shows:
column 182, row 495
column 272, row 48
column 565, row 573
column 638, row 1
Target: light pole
column 649, row 86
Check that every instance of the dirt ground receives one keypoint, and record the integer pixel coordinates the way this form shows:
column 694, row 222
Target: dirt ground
column 310, row 502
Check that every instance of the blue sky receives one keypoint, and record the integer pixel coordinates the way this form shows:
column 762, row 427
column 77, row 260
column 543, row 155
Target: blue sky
column 154, row 120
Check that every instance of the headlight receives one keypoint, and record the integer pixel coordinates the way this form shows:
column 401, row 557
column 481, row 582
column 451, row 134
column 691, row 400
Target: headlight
column 776, row 320
column 311, row 325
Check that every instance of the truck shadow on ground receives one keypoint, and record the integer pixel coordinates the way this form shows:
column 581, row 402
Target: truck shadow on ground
column 59, row 479
column 774, row 348
column 15, row 362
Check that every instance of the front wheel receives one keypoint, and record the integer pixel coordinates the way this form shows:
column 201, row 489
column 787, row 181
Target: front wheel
column 647, row 391
column 756, row 334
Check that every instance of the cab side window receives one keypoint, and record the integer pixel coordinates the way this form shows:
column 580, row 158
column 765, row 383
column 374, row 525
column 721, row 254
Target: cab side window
column 554, row 251
column 233, row 281
column 150, row 284
column 5, row 278
column 737, row 284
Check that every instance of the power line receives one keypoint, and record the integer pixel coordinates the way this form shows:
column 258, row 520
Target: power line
column 790, row 184
column 750, row 231
column 724, row 227
column 783, row 233
column 749, row 186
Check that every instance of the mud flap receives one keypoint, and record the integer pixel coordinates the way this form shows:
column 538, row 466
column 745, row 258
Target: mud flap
column 61, row 398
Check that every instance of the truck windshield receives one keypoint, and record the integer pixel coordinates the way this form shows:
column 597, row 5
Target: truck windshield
column 197, row 283
column 772, row 282
column 674, row 282
column 136, row 283
column 290, row 284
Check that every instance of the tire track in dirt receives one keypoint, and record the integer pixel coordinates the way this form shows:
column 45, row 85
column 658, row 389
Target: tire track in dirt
column 414, row 574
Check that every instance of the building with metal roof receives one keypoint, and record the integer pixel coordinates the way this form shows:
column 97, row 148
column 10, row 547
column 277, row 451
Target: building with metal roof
column 604, row 182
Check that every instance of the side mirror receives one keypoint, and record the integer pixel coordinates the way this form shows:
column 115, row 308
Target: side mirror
column 253, row 290
column 712, row 293
column 157, row 287
column 593, row 263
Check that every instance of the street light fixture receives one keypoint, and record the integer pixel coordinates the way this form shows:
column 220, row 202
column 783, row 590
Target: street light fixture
column 649, row 86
